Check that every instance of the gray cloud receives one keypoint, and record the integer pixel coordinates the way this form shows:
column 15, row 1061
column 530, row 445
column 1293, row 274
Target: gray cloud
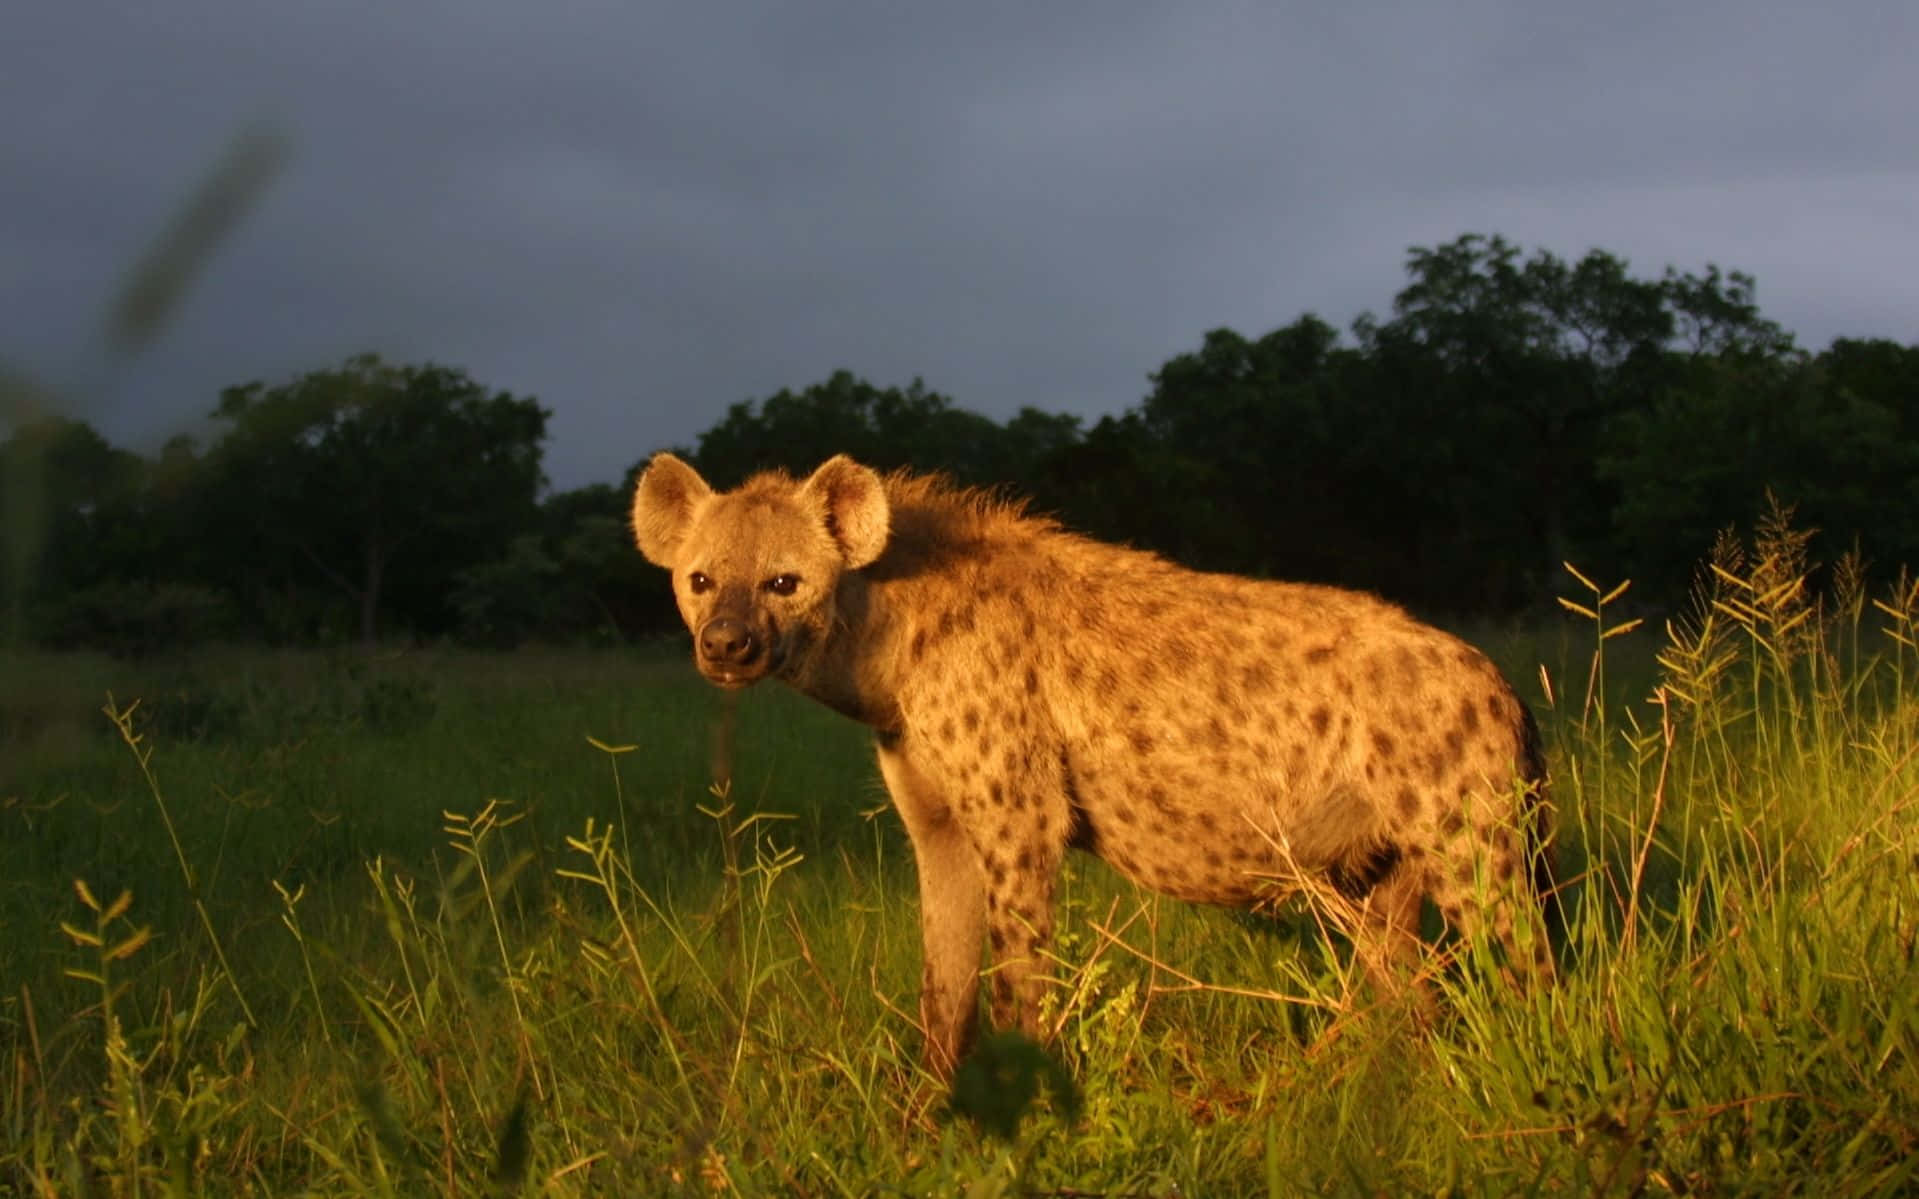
column 642, row 215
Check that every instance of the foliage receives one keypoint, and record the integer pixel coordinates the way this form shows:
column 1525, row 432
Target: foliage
column 381, row 481
column 882, row 427
column 1512, row 411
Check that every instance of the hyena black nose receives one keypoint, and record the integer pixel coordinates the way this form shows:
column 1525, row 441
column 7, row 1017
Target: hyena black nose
column 728, row 640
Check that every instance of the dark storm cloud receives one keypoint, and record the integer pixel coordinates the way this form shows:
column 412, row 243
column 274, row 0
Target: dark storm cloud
column 641, row 215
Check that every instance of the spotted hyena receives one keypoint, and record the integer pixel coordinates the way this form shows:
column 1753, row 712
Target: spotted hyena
column 1217, row 738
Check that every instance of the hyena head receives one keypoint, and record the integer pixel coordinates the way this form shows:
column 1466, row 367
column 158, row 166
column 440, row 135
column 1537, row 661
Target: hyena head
column 757, row 570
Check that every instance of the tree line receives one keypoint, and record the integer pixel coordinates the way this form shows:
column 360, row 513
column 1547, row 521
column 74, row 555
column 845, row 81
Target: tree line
column 1512, row 412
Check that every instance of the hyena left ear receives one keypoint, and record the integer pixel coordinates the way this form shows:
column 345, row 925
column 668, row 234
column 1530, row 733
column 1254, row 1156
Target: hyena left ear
column 663, row 507
column 857, row 515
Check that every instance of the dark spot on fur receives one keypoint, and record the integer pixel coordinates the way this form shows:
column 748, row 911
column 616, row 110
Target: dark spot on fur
column 1408, row 803
column 919, row 645
column 1319, row 654
column 972, row 719
column 1024, row 863
column 1032, row 681
column 946, row 731
column 1257, row 677
column 1468, row 716
column 1383, row 742
column 997, row 790
column 1108, row 680
column 1452, row 822
column 1160, row 800
column 1074, row 673
column 1503, row 868
column 1320, row 719
column 948, row 621
column 1495, row 710
column 1142, row 741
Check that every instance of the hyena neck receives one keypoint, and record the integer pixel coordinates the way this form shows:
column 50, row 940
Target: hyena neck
column 851, row 669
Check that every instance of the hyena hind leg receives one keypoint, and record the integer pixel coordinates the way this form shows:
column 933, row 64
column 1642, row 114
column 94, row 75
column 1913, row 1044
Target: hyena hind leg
column 1498, row 905
column 1387, row 944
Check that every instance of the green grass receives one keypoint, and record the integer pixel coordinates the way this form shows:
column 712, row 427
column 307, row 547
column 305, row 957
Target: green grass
column 496, row 935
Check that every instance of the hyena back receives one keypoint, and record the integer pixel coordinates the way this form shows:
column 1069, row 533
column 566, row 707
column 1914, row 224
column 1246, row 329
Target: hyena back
column 1220, row 739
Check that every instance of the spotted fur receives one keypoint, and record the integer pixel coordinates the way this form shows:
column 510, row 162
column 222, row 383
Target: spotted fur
column 1220, row 739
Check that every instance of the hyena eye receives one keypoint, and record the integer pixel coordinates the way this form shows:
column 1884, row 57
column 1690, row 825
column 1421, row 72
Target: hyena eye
column 783, row 584
column 698, row 582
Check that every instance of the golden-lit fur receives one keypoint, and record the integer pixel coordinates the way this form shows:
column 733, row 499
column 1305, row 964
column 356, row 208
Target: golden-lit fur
column 1221, row 739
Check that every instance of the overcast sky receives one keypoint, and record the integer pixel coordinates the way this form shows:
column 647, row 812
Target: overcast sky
column 642, row 213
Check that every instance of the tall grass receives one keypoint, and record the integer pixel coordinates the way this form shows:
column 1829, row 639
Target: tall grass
column 497, row 934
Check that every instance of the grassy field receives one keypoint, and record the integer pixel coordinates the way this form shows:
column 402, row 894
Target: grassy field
column 460, row 924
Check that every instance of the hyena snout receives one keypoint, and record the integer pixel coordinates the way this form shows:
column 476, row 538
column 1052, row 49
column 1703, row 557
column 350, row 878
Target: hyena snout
column 731, row 653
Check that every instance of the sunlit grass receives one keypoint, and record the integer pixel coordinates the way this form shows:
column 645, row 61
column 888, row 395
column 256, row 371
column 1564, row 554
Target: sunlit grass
column 498, row 933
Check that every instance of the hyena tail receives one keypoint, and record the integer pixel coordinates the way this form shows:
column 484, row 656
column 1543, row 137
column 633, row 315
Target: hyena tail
column 1538, row 831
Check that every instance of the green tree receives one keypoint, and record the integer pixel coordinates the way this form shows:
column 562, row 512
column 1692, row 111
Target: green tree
column 1836, row 437
column 1252, row 426
column 82, row 490
column 381, row 482
column 577, row 578
column 1491, row 389
column 884, row 427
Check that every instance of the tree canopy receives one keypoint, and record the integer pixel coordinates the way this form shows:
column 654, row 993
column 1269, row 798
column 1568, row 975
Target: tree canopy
column 1511, row 411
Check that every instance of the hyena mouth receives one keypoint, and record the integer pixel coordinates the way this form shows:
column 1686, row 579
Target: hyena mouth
column 733, row 678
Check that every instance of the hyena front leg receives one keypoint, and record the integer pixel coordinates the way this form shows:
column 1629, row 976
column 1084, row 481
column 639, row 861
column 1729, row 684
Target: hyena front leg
column 952, row 911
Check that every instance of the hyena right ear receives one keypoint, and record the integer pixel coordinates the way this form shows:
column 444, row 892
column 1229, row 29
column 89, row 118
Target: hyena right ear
column 663, row 506
column 857, row 514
